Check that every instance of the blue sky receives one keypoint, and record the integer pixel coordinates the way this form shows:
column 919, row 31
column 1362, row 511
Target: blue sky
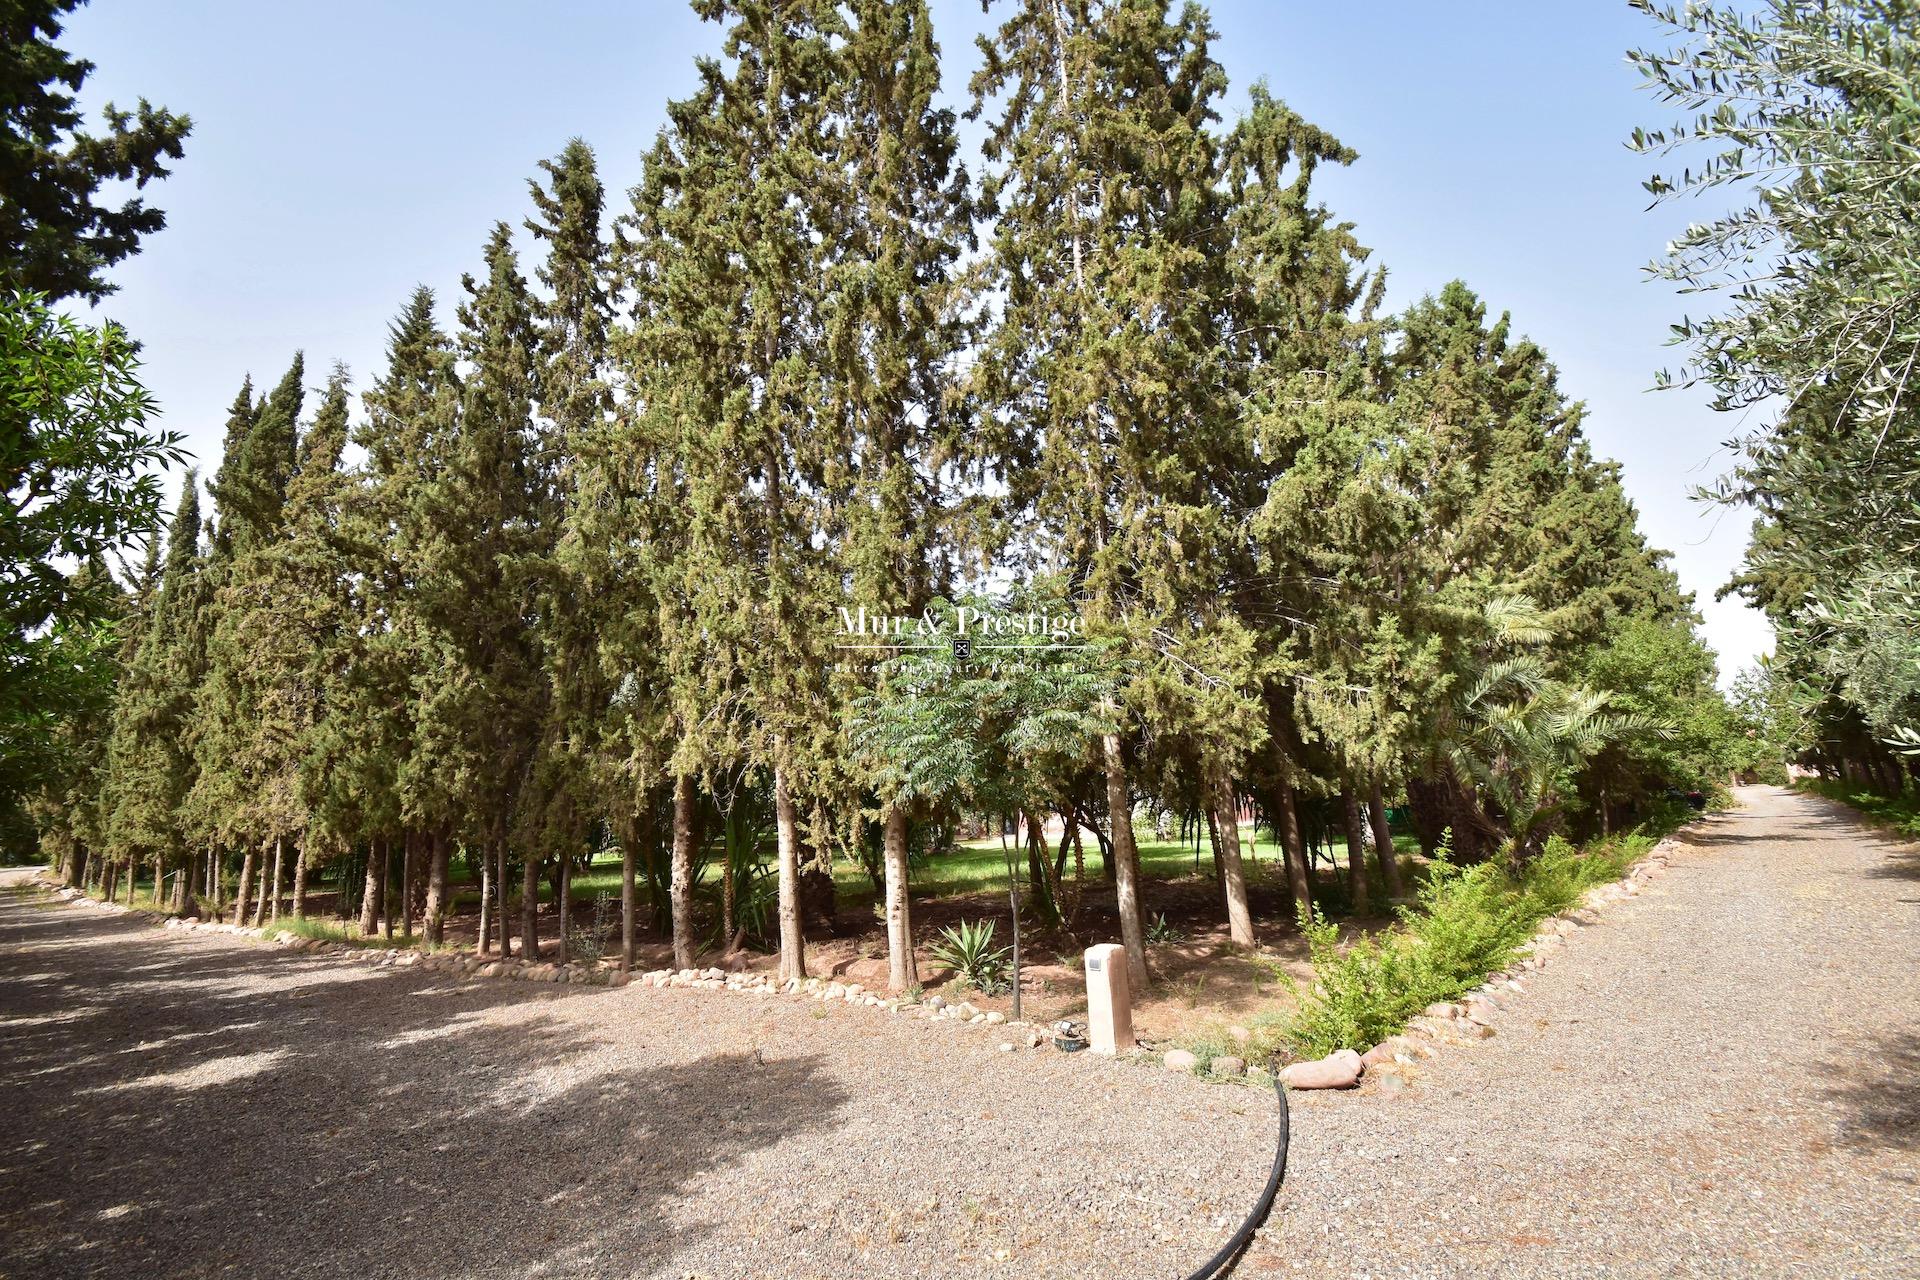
column 344, row 152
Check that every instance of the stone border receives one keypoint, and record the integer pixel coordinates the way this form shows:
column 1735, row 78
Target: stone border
column 469, row 965
column 1470, row 1018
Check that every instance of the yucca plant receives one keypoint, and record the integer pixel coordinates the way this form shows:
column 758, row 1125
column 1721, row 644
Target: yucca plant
column 968, row 950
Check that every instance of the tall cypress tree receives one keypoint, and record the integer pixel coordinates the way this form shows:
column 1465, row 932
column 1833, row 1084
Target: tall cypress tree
column 303, row 617
column 898, row 325
column 245, row 724
column 578, row 759
column 496, row 507
column 428, row 559
column 151, row 766
column 412, row 415
column 1103, row 366
column 733, row 220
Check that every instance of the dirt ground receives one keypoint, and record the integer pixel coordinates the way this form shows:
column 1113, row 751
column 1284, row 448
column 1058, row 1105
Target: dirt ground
column 1203, row 984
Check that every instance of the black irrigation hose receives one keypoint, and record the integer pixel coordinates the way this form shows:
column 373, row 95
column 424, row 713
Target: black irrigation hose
column 1222, row 1262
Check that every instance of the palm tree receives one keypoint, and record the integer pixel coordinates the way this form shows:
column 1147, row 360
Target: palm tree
column 1518, row 735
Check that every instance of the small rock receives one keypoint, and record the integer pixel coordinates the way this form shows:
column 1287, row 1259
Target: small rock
column 1228, row 1066
column 1389, row 1082
column 1338, row 1070
column 1240, row 1034
column 1386, row 1051
column 935, row 1003
column 1441, row 1009
column 995, row 1017
column 1006, row 1047
column 1179, row 1060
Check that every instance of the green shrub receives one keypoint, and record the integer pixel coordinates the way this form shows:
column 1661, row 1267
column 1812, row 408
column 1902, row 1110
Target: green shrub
column 1467, row 922
column 968, row 950
column 1160, row 931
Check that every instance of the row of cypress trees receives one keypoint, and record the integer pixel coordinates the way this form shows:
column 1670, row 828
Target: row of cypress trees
column 572, row 577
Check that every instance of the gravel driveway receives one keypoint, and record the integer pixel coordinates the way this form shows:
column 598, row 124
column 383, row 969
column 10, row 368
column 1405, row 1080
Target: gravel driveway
column 1721, row 1079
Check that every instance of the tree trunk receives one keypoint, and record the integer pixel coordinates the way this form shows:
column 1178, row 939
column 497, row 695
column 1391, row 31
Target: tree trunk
column 1427, row 801
column 300, row 883
column 729, row 908
column 373, row 897
column 279, row 872
column 1038, row 864
column 1356, row 850
column 182, row 894
column 1464, row 824
column 406, row 886
column 563, row 901
column 241, row 894
column 1383, row 843
column 902, row 972
column 1299, row 883
column 390, row 893
column 1126, row 862
column 1233, row 878
column 77, row 868
column 793, row 942
column 485, row 944
column 498, row 852
column 530, row 909
column 629, row 888
column 681, row 887
column 439, row 853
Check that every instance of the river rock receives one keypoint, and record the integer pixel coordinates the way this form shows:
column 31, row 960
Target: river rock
column 1340, row 1069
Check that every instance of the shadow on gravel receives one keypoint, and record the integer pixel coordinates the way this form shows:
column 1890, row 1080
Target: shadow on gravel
column 1902, row 855
column 1902, row 863
column 1882, row 1110
column 188, row 1110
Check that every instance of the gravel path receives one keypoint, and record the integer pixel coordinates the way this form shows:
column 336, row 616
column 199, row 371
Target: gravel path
column 200, row 1105
column 1721, row 1079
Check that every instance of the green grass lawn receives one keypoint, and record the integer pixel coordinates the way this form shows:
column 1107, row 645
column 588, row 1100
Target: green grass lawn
column 979, row 866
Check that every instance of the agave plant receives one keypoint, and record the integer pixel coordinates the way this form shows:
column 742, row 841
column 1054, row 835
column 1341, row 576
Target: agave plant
column 968, row 950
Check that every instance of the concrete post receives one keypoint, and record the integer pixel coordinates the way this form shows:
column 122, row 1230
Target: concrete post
column 1109, row 1002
